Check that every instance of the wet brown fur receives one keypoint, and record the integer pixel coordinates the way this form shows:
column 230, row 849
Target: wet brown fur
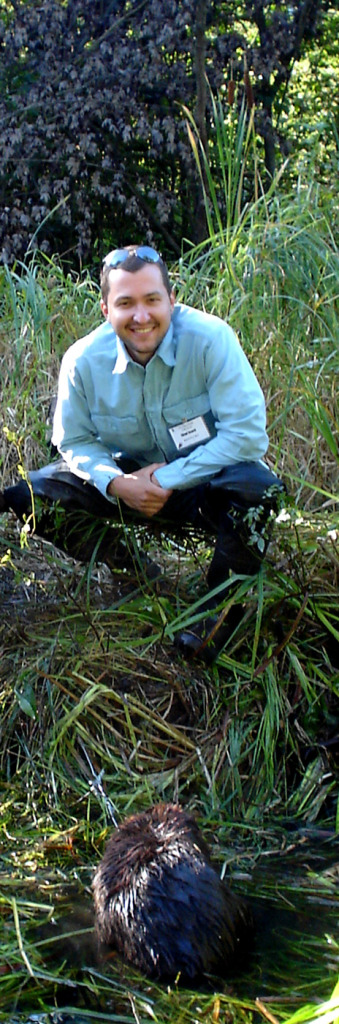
column 160, row 902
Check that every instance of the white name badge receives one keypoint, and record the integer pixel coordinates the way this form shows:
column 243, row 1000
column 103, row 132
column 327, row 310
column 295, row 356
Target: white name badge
column 190, row 432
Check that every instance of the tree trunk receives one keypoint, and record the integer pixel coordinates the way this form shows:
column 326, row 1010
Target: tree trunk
column 269, row 151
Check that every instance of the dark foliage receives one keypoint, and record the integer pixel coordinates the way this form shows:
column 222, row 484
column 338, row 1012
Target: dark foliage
column 91, row 113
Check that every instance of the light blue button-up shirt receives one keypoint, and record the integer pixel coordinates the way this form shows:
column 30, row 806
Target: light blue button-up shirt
column 109, row 404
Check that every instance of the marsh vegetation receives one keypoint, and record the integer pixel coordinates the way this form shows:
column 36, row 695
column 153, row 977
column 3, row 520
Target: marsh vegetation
column 97, row 710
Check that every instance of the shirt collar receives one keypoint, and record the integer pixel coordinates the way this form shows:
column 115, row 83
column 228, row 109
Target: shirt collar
column 166, row 347
column 165, row 351
column 122, row 357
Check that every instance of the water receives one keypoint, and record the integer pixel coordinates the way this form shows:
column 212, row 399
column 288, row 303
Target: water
column 296, row 951
column 294, row 960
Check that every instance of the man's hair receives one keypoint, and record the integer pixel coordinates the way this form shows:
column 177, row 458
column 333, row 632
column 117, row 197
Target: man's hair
column 132, row 263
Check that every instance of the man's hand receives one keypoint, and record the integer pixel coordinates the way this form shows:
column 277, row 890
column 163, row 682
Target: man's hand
column 140, row 490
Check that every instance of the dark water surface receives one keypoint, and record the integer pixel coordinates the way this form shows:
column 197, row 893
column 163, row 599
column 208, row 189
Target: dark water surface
column 296, row 908
column 295, row 955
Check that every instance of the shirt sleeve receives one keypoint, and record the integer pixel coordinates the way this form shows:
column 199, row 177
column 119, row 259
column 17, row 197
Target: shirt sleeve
column 238, row 405
column 74, row 434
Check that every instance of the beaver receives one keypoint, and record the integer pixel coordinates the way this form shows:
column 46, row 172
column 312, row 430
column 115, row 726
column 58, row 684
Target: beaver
column 160, row 902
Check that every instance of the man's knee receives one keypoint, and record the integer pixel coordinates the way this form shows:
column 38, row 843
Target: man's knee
column 248, row 484
column 17, row 499
column 54, row 484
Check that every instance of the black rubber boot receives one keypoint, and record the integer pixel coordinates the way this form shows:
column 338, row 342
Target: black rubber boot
column 207, row 638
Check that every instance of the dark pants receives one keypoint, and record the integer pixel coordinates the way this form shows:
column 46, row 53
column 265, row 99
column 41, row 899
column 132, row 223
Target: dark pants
column 235, row 507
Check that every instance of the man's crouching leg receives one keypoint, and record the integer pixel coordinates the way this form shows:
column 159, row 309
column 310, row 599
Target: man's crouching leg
column 240, row 505
column 63, row 509
column 74, row 516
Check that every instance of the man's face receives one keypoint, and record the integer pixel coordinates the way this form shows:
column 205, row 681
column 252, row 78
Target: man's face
column 139, row 309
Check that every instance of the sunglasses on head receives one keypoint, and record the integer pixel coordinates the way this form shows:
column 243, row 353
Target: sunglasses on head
column 118, row 256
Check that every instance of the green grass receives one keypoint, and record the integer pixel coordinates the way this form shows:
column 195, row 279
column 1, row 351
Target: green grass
column 89, row 676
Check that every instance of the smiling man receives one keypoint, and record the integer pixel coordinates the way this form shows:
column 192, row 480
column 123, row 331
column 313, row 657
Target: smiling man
column 139, row 308
column 159, row 418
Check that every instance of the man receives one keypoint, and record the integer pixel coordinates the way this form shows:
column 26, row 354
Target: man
column 159, row 418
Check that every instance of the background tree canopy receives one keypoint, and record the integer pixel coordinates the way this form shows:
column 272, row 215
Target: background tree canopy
column 91, row 111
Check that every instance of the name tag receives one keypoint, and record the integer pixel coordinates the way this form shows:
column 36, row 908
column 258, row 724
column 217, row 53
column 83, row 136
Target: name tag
column 188, row 433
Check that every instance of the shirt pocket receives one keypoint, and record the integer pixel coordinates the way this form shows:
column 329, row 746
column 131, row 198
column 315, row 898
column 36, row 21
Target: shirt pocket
column 116, row 430
column 188, row 409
